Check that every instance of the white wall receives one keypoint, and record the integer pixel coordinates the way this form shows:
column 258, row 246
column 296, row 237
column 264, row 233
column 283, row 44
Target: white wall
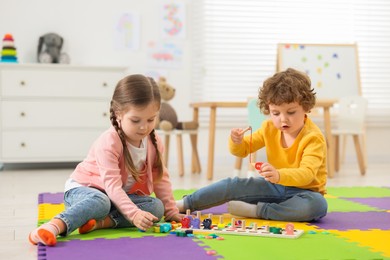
column 87, row 27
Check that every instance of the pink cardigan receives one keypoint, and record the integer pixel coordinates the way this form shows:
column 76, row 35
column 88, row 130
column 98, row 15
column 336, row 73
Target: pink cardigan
column 104, row 168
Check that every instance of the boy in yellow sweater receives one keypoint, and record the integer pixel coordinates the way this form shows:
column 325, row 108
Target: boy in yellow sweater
column 291, row 184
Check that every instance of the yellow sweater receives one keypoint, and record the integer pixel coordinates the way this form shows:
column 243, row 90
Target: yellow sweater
column 301, row 165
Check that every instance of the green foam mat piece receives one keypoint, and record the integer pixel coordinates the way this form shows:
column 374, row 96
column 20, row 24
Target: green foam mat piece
column 111, row 234
column 178, row 194
column 342, row 205
column 359, row 192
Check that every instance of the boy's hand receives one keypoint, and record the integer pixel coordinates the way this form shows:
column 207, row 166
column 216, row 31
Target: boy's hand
column 237, row 134
column 269, row 173
column 144, row 220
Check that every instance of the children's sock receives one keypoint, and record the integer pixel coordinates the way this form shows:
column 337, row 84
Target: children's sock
column 45, row 234
column 94, row 224
column 88, row 227
column 240, row 208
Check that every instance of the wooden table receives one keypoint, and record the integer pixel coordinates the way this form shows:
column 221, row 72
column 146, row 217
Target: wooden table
column 325, row 104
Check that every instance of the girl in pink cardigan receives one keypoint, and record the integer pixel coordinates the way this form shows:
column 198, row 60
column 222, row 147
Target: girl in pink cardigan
column 111, row 187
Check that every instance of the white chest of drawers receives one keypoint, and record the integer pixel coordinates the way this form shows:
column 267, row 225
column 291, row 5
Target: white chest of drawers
column 53, row 113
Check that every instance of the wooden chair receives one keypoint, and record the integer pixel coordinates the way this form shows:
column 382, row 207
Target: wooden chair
column 255, row 119
column 351, row 121
column 195, row 165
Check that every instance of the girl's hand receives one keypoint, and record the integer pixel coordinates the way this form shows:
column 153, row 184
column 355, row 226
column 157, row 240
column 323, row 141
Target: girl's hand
column 177, row 218
column 237, row 134
column 269, row 173
column 144, row 220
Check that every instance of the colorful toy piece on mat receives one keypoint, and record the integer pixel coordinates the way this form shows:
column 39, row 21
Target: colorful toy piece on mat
column 190, row 221
column 8, row 53
column 166, row 227
column 238, row 227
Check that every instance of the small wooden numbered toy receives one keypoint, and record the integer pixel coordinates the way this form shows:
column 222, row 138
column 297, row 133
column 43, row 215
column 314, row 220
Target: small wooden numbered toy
column 207, row 223
column 186, row 222
column 238, row 227
column 195, row 223
column 289, row 229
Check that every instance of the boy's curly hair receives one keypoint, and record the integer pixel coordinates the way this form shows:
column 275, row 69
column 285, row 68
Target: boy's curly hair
column 287, row 87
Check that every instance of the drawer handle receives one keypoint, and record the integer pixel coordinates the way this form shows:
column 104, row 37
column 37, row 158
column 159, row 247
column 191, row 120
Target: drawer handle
column 105, row 84
column 23, row 144
column 105, row 114
column 22, row 83
column 22, row 114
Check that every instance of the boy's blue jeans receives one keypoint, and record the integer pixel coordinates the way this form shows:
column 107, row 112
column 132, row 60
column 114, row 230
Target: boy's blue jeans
column 274, row 202
column 85, row 203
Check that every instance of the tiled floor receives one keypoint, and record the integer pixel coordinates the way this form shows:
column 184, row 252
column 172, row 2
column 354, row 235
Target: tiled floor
column 19, row 189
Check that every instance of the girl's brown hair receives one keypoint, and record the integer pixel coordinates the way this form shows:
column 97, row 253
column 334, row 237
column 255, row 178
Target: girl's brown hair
column 287, row 87
column 139, row 91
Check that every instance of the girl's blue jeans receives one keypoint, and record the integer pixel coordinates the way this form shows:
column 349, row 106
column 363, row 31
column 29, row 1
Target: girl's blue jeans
column 274, row 202
column 85, row 203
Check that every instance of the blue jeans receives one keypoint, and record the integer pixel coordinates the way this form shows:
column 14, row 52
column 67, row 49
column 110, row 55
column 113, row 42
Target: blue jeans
column 85, row 203
column 274, row 202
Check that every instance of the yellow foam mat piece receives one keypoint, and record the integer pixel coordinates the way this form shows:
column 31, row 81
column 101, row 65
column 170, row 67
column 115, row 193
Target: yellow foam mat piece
column 328, row 196
column 377, row 240
column 48, row 211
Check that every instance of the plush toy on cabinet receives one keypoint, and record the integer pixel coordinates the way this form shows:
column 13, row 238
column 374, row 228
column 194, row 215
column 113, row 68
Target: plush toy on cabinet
column 168, row 119
column 49, row 49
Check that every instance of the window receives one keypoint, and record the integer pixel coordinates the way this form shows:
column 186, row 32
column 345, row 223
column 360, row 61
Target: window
column 235, row 46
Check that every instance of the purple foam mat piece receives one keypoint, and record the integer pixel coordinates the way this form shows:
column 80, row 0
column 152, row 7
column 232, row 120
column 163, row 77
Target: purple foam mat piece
column 218, row 210
column 149, row 247
column 52, row 198
column 380, row 203
column 355, row 220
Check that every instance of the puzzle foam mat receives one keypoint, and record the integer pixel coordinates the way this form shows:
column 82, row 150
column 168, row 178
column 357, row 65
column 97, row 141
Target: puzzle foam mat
column 357, row 226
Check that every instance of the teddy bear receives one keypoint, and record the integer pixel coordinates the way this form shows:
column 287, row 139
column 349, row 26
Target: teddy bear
column 168, row 119
column 49, row 49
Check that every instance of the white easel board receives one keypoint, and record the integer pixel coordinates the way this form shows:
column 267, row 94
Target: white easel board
column 332, row 68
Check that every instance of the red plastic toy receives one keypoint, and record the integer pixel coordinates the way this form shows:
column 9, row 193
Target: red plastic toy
column 186, row 221
column 258, row 166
